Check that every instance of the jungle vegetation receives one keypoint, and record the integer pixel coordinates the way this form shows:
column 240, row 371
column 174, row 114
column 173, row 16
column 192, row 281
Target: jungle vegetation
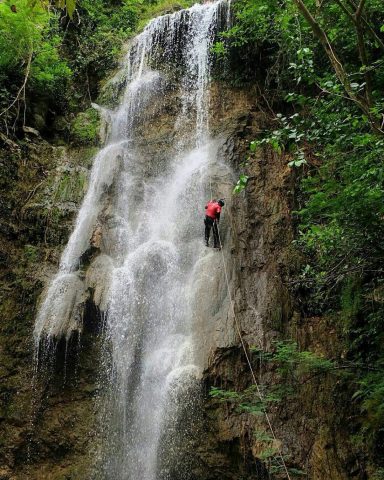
column 53, row 56
column 319, row 69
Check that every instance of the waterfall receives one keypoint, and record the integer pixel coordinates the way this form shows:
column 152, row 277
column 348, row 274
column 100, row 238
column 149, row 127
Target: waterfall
column 150, row 219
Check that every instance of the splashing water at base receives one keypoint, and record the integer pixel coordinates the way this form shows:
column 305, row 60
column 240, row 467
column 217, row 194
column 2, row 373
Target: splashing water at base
column 152, row 239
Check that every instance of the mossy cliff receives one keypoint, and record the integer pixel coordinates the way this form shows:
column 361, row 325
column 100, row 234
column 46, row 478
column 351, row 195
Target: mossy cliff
column 51, row 432
column 42, row 186
column 48, row 425
column 312, row 415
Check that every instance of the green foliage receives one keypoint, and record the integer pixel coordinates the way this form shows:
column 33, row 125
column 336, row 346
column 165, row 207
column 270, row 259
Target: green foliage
column 303, row 67
column 93, row 45
column 150, row 9
column 262, row 436
column 350, row 299
column 340, row 212
column 53, row 63
column 224, row 395
column 49, row 73
column 371, row 391
column 70, row 5
column 247, row 401
column 56, row 61
column 241, row 184
column 295, row 472
column 20, row 32
column 25, row 33
column 341, row 232
column 31, row 253
column 219, row 49
column 287, row 137
column 246, row 30
column 267, row 453
column 70, row 187
column 340, row 197
column 30, row 60
column 293, row 363
column 85, row 128
column 378, row 474
column 292, row 366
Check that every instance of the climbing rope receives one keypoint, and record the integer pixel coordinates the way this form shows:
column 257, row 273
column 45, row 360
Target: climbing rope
column 237, row 323
column 210, row 186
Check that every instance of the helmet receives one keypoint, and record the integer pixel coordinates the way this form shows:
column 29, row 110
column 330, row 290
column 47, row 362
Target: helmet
column 221, row 202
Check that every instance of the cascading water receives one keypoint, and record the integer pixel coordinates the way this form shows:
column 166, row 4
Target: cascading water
column 150, row 217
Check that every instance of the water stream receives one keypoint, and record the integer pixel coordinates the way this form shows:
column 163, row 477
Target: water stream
column 150, row 219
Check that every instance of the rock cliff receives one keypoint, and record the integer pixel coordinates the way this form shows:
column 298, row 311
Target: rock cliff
column 48, row 429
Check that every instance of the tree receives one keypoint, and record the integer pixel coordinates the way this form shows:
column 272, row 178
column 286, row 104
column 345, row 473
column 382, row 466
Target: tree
column 361, row 24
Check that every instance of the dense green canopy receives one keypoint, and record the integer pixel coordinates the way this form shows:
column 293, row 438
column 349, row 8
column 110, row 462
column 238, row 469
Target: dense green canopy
column 319, row 68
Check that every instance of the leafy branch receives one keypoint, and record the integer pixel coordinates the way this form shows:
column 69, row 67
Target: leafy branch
column 363, row 102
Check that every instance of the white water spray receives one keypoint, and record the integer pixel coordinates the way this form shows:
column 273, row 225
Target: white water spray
column 151, row 241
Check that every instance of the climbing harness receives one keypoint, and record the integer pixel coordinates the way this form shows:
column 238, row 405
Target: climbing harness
column 259, row 394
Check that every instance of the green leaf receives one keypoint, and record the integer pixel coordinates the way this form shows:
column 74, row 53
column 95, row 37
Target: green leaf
column 71, row 6
column 262, row 436
column 296, row 471
column 267, row 453
column 253, row 146
column 241, row 184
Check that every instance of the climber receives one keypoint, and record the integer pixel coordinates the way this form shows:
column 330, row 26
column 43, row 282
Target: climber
column 212, row 218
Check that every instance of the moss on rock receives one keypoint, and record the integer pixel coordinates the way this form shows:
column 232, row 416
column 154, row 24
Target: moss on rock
column 85, row 128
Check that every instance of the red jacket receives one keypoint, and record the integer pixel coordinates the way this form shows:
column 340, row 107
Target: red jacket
column 212, row 210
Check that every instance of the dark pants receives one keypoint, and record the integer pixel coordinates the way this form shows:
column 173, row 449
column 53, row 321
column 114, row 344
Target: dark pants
column 211, row 223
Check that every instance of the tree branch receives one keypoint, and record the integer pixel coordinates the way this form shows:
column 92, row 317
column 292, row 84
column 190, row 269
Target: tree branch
column 356, row 18
column 340, row 72
column 21, row 91
column 346, row 11
column 360, row 8
column 374, row 35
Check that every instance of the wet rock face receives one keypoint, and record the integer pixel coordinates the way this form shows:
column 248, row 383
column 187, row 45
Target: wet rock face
column 48, row 427
column 312, row 426
column 257, row 230
column 45, row 424
column 54, row 436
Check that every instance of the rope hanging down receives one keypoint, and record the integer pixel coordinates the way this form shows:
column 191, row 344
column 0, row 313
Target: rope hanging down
column 279, row 453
